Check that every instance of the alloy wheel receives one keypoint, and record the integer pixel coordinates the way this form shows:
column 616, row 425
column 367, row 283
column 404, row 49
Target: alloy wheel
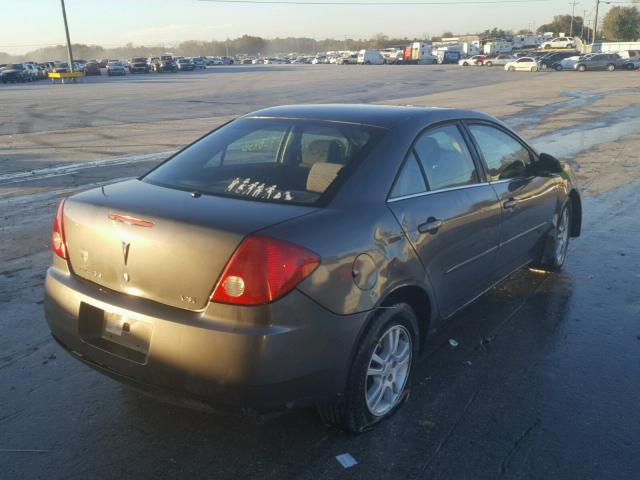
column 562, row 237
column 388, row 370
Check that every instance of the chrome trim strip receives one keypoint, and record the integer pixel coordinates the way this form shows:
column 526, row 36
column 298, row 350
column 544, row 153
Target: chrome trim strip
column 422, row 194
column 486, row 290
column 522, row 234
column 500, row 245
column 472, row 259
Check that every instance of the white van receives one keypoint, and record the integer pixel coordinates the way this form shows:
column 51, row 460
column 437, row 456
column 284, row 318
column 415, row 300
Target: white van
column 370, row 57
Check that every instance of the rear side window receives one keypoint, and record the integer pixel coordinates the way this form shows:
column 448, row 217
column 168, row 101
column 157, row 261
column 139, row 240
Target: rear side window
column 273, row 160
column 445, row 158
column 410, row 180
column 505, row 156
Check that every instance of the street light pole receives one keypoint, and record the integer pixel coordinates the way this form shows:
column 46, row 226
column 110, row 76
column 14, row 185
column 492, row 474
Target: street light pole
column 573, row 12
column 66, row 29
column 595, row 22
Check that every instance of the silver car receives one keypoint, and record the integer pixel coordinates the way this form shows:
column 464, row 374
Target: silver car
column 499, row 60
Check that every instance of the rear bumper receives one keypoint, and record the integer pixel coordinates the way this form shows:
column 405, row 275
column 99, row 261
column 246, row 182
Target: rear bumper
column 290, row 353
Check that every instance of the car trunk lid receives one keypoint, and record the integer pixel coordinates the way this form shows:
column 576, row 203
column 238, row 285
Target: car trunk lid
column 158, row 243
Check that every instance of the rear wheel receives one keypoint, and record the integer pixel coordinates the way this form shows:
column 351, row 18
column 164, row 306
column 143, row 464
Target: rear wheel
column 558, row 68
column 380, row 373
column 512, row 69
column 489, row 64
column 611, row 67
column 629, row 66
column 534, row 69
column 465, row 64
column 582, row 68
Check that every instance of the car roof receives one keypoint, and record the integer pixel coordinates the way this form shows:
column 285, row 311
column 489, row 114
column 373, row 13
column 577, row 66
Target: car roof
column 385, row 116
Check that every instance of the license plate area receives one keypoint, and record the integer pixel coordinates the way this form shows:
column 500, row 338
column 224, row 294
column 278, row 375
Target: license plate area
column 115, row 333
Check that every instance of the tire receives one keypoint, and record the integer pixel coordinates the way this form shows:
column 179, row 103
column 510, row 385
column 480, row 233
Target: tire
column 489, row 64
column 356, row 413
column 555, row 251
column 534, row 69
column 465, row 64
column 611, row 67
column 512, row 69
column 582, row 68
column 558, row 68
column 629, row 66
column 547, row 47
column 544, row 66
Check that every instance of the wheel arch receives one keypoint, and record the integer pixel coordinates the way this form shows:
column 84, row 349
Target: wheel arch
column 419, row 300
column 576, row 213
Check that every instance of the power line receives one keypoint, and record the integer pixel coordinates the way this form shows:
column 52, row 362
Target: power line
column 383, row 4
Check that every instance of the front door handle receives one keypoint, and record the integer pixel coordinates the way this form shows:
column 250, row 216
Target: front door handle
column 430, row 226
column 510, row 204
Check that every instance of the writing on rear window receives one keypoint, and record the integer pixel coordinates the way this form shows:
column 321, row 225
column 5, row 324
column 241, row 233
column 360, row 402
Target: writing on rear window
column 244, row 186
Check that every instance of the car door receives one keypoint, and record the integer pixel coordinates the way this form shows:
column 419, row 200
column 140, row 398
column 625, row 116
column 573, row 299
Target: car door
column 523, row 64
column 528, row 202
column 450, row 214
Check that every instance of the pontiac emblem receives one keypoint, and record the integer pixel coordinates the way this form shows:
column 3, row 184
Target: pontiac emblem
column 125, row 251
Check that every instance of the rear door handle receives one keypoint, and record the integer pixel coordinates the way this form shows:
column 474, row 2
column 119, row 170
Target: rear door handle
column 510, row 204
column 430, row 226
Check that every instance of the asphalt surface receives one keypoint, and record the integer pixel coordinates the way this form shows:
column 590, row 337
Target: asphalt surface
column 544, row 382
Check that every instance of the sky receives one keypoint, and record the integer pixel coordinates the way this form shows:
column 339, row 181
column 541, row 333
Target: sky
column 31, row 24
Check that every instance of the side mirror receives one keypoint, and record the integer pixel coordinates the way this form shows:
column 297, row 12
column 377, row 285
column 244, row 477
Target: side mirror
column 548, row 164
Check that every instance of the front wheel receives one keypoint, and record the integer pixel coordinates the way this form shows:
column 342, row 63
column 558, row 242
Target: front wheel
column 380, row 373
column 512, row 69
column 611, row 67
column 489, row 64
column 582, row 68
column 555, row 251
column 534, row 69
column 558, row 68
column 465, row 64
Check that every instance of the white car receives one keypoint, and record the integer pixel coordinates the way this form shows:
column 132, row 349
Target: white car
column 475, row 60
column 559, row 42
column 526, row 64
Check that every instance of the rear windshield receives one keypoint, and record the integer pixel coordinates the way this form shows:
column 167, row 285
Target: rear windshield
column 270, row 160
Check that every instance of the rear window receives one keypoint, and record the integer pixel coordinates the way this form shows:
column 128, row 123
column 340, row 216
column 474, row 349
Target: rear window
column 270, row 160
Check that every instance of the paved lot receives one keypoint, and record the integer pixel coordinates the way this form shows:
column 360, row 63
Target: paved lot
column 544, row 383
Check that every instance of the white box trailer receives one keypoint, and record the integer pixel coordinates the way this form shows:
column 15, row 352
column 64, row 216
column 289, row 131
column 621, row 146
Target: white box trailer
column 470, row 48
column 493, row 48
column 421, row 53
column 370, row 57
column 527, row 41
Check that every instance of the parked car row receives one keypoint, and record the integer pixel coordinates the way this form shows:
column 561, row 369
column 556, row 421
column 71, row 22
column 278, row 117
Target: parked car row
column 565, row 60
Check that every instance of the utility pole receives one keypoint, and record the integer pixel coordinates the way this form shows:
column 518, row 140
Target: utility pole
column 595, row 22
column 573, row 11
column 584, row 19
column 66, row 29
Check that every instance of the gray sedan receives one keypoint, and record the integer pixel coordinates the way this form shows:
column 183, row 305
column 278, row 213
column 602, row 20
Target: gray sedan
column 302, row 255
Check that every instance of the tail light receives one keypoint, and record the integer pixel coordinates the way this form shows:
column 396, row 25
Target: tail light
column 58, row 241
column 262, row 270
